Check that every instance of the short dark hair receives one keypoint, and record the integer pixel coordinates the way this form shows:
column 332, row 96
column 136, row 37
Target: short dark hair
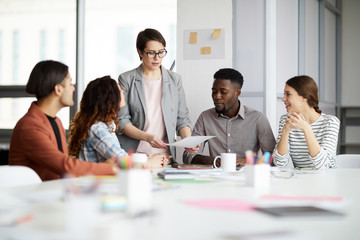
column 231, row 74
column 147, row 35
column 44, row 77
column 306, row 87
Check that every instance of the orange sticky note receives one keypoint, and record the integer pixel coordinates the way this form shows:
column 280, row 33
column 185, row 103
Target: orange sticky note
column 205, row 50
column 216, row 33
column 193, row 37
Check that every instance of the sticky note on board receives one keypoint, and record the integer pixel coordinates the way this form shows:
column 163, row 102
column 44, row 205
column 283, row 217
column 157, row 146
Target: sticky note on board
column 205, row 50
column 193, row 37
column 216, row 33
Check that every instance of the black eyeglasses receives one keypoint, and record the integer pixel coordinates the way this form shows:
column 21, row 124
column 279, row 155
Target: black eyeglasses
column 152, row 54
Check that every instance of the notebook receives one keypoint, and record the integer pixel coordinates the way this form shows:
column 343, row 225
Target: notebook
column 175, row 175
column 298, row 211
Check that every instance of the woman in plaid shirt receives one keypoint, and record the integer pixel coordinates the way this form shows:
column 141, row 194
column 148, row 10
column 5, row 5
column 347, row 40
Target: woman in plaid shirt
column 92, row 131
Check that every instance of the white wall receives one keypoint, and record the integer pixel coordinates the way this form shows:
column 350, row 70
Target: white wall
column 297, row 50
column 311, row 41
column 287, row 49
column 197, row 75
column 350, row 53
column 249, row 48
column 287, row 42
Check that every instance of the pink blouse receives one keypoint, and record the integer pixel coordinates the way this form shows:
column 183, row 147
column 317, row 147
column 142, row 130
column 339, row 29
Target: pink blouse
column 154, row 121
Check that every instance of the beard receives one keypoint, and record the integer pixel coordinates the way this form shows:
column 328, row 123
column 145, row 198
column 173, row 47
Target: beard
column 221, row 111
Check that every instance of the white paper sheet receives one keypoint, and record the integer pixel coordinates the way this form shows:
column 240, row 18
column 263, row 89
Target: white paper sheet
column 190, row 142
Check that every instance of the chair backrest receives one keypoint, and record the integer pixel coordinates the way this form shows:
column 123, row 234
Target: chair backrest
column 348, row 161
column 12, row 176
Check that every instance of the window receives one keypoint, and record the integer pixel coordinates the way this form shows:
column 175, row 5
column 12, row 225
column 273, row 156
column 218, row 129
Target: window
column 29, row 33
column 15, row 58
column 1, row 71
column 42, row 45
column 46, row 29
column 111, row 28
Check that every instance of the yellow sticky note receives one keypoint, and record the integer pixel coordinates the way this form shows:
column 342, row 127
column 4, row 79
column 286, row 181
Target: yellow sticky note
column 216, row 33
column 193, row 37
column 205, row 50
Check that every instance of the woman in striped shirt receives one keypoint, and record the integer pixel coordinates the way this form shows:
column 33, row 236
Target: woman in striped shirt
column 306, row 136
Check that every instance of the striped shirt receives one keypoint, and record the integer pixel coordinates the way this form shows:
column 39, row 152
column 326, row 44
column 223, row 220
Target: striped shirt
column 326, row 130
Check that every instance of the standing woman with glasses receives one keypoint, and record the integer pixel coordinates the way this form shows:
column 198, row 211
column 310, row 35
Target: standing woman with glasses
column 156, row 109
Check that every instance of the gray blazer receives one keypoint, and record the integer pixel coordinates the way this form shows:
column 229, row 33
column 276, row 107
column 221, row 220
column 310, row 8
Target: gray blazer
column 173, row 104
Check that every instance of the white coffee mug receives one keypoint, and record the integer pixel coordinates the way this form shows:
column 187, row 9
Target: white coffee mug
column 228, row 162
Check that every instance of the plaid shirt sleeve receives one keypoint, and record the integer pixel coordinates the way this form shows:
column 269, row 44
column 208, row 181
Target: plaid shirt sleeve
column 103, row 139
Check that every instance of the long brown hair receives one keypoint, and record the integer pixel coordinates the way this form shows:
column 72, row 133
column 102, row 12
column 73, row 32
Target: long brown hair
column 306, row 87
column 99, row 103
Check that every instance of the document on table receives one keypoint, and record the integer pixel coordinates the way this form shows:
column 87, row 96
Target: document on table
column 191, row 141
column 225, row 204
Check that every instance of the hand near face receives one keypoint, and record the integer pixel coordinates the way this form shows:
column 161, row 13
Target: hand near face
column 296, row 120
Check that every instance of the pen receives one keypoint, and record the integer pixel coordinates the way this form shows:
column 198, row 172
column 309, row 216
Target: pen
column 266, row 157
column 271, row 159
column 122, row 163
column 255, row 159
column 249, row 157
column 261, row 160
column 129, row 162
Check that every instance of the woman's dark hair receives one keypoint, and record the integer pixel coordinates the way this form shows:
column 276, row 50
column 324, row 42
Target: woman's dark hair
column 44, row 77
column 146, row 36
column 306, row 87
column 100, row 102
column 231, row 74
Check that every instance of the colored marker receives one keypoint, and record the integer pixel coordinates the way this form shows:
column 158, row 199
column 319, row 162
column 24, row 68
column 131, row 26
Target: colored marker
column 261, row 160
column 249, row 157
column 266, row 157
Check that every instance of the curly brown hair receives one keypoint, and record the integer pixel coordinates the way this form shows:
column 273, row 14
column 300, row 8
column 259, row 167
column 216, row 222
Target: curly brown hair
column 99, row 103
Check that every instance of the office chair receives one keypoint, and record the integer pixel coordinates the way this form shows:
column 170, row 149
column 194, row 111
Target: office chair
column 12, row 176
column 348, row 161
column 4, row 155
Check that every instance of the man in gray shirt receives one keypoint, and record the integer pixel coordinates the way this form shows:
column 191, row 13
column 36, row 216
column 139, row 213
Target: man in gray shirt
column 237, row 128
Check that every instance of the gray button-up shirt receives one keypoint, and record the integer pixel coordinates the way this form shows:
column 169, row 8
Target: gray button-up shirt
column 248, row 130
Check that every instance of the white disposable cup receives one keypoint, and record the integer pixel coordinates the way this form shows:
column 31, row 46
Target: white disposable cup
column 139, row 157
column 82, row 207
column 228, row 161
column 136, row 186
column 258, row 176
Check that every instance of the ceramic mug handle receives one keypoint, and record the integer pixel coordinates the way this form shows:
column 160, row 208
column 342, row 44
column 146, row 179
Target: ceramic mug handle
column 214, row 163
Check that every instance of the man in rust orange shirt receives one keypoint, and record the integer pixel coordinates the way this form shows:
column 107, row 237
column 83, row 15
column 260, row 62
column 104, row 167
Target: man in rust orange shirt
column 38, row 140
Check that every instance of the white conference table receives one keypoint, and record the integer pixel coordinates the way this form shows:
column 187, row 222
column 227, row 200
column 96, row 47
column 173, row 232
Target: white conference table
column 172, row 218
